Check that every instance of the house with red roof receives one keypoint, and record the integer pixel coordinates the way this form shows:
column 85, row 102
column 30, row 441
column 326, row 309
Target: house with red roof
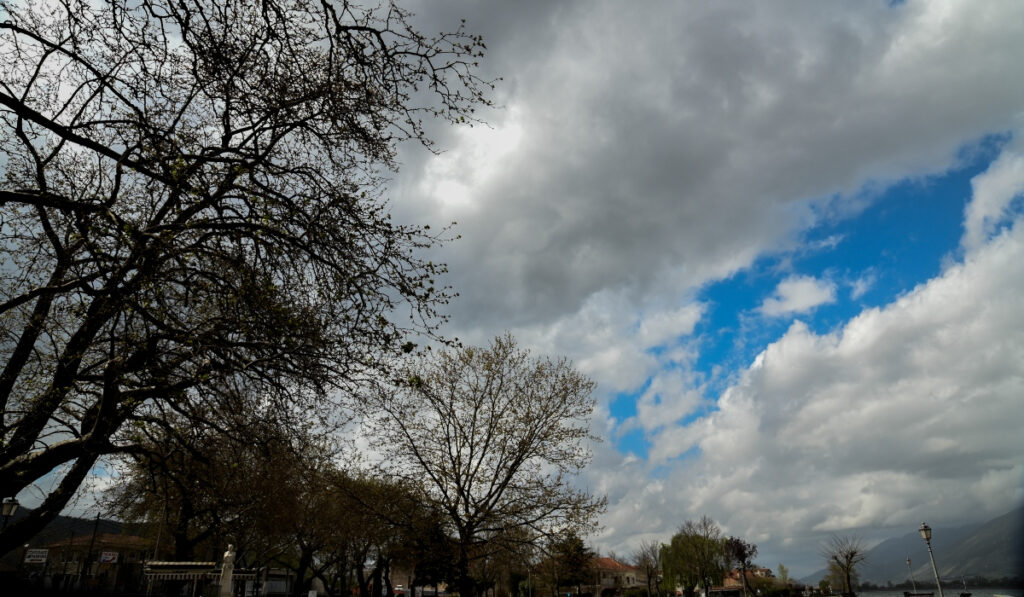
column 612, row 577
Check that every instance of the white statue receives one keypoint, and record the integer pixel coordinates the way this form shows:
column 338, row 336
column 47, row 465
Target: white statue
column 226, row 571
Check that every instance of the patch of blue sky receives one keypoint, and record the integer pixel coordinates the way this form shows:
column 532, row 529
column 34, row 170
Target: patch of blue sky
column 634, row 442
column 623, row 406
column 899, row 240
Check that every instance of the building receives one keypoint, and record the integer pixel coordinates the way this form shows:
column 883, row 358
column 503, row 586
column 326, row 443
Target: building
column 734, row 579
column 104, row 562
column 612, row 577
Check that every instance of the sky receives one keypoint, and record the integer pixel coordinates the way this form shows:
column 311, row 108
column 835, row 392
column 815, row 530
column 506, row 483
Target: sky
column 785, row 239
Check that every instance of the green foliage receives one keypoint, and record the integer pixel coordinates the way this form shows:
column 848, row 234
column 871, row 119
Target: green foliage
column 573, row 559
column 696, row 555
column 783, row 575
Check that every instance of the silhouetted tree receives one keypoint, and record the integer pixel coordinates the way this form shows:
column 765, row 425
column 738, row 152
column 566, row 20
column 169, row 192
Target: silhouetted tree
column 191, row 200
column 742, row 555
column 843, row 555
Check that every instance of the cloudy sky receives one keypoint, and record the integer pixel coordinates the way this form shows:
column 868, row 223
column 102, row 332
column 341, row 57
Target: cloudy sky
column 787, row 240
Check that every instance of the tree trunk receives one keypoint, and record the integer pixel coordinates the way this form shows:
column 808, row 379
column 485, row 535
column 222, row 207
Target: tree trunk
column 305, row 559
column 385, row 566
column 376, row 588
column 467, row 586
column 362, row 581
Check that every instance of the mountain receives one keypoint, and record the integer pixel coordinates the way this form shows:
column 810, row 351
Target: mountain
column 993, row 550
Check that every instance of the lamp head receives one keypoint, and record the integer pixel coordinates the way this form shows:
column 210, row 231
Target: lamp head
column 926, row 532
column 10, row 507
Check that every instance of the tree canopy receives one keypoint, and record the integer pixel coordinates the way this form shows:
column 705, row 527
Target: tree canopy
column 492, row 437
column 570, row 562
column 191, row 214
column 695, row 555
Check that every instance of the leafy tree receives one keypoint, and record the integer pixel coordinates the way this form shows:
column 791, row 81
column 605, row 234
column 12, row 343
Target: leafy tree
column 196, row 483
column 190, row 200
column 567, row 562
column 648, row 559
column 394, row 525
column 279, row 498
column 843, row 555
column 491, row 436
column 695, row 555
column 783, row 575
column 431, row 552
column 741, row 554
column 573, row 560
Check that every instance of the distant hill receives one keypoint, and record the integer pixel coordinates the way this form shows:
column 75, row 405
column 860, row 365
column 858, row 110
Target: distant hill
column 59, row 528
column 994, row 549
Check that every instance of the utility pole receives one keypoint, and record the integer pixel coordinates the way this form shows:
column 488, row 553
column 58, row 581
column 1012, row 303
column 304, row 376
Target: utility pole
column 92, row 542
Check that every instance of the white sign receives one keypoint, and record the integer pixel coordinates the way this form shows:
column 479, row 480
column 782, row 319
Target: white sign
column 108, row 557
column 36, row 556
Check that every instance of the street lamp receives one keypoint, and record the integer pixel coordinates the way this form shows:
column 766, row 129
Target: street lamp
column 926, row 534
column 9, row 508
column 913, row 582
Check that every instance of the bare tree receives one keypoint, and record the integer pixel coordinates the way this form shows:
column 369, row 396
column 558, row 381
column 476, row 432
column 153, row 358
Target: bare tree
column 191, row 200
column 493, row 437
column 845, row 554
column 647, row 557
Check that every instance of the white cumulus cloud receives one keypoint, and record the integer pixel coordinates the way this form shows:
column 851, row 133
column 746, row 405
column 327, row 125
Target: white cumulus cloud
column 909, row 412
column 798, row 294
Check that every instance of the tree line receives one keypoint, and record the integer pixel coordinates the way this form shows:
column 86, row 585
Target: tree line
column 477, row 449
column 202, row 288
column 700, row 556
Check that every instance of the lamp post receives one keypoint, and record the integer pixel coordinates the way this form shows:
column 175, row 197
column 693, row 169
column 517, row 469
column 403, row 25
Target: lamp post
column 913, row 582
column 9, row 508
column 926, row 534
